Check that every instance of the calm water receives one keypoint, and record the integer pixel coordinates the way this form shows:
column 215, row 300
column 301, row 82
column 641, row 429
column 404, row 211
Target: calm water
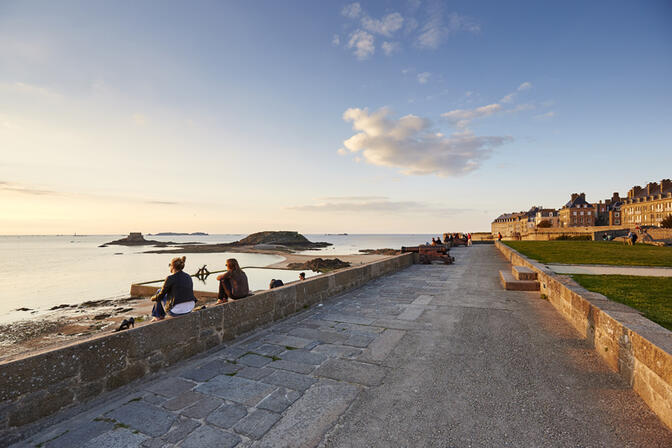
column 39, row 272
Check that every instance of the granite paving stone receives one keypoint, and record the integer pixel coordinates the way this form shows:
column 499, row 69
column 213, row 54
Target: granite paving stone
column 290, row 380
column 360, row 340
column 153, row 398
column 183, row 400
column 253, row 360
column 352, row 371
column 210, row 370
column 207, row 436
column 116, row 438
column 202, row 408
column 227, row 415
column 324, row 337
column 180, row 430
column 170, row 387
column 306, row 421
column 144, row 417
column 303, row 356
column 279, row 400
column 231, row 353
column 292, row 366
column 379, row 349
column 287, row 341
column 337, row 351
column 254, row 373
column 268, row 350
column 234, row 388
column 256, row 424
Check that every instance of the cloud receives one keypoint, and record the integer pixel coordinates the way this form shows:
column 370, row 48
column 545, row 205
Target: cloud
column 353, row 198
column 424, row 77
column 511, row 96
column 410, row 144
column 22, row 189
column 363, row 45
column 434, row 32
column 336, row 40
column 352, row 10
column 29, row 89
column 376, row 204
column 462, row 117
column 390, row 48
column 547, row 116
column 161, row 202
column 524, row 86
column 385, row 26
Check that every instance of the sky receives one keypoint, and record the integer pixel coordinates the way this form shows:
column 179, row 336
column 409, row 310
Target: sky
column 413, row 116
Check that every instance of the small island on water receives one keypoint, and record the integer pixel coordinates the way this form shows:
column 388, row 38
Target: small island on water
column 178, row 234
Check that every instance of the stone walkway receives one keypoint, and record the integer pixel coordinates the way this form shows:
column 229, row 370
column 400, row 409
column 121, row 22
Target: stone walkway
column 610, row 270
column 430, row 356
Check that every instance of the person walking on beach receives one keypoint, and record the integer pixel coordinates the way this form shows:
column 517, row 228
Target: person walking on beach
column 176, row 296
column 233, row 283
column 468, row 239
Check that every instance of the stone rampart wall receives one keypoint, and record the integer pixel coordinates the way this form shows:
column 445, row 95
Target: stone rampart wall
column 640, row 350
column 37, row 386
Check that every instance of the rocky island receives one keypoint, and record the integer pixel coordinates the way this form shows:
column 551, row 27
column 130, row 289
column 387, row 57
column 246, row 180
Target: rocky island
column 136, row 239
column 267, row 241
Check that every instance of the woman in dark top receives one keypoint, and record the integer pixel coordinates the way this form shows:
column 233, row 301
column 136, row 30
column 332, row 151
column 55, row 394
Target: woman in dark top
column 233, row 283
column 177, row 293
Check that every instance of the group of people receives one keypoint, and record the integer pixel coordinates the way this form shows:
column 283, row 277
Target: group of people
column 176, row 296
column 450, row 237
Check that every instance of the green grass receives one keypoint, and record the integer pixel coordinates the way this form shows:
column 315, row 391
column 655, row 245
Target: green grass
column 652, row 296
column 594, row 252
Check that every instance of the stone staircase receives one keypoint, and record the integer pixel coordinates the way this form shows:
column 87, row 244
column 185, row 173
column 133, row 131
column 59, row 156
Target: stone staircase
column 520, row 278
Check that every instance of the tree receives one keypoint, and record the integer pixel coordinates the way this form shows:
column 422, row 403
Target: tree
column 544, row 224
column 666, row 223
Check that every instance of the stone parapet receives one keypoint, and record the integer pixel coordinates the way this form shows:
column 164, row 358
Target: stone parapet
column 37, row 386
column 640, row 350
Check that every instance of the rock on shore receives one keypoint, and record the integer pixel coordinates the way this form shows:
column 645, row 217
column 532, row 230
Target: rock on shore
column 320, row 265
column 272, row 241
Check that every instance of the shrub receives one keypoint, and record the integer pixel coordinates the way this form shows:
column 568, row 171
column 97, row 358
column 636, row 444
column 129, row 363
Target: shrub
column 544, row 224
column 573, row 238
column 666, row 223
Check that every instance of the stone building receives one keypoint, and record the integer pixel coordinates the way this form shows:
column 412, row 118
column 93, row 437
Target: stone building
column 513, row 225
column 549, row 215
column 647, row 206
column 577, row 212
column 609, row 211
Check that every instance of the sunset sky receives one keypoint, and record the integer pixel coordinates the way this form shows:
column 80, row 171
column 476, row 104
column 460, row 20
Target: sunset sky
column 370, row 117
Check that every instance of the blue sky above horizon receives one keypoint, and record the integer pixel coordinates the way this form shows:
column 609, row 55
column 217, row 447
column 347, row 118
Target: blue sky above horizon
column 373, row 117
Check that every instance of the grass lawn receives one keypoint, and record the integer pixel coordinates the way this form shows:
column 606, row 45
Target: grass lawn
column 652, row 296
column 594, row 252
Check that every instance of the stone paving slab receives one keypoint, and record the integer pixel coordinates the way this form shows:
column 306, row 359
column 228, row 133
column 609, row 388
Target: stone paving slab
column 306, row 421
column 207, row 436
column 143, row 417
column 116, row 438
column 234, row 388
column 352, row 372
column 382, row 346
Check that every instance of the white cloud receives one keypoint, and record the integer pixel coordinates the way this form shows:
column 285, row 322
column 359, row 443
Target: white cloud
column 374, row 204
column 524, row 86
column 435, row 31
column 462, row 117
column 29, row 89
column 385, row 26
column 423, row 77
column 336, row 40
column 363, row 45
column 409, row 144
column 546, row 116
column 352, row 10
column 390, row 47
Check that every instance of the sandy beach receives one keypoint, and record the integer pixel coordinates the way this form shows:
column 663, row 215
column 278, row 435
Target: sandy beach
column 68, row 324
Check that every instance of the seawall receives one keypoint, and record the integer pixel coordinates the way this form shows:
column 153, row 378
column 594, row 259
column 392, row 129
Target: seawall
column 39, row 385
column 638, row 349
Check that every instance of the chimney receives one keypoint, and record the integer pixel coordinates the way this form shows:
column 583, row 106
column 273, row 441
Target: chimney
column 652, row 188
column 665, row 185
column 575, row 196
column 583, row 196
column 615, row 197
column 634, row 191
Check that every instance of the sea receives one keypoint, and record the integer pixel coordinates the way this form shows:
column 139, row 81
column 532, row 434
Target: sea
column 39, row 272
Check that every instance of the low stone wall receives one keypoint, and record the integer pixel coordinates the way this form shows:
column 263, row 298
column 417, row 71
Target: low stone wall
column 37, row 386
column 640, row 350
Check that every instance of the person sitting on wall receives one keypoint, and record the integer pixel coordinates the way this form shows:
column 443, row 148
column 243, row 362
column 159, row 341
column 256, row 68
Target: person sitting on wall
column 176, row 296
column 276, row 283
column 438, row 240
column 233, row 283
column 433, row 242
column 302, row 276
